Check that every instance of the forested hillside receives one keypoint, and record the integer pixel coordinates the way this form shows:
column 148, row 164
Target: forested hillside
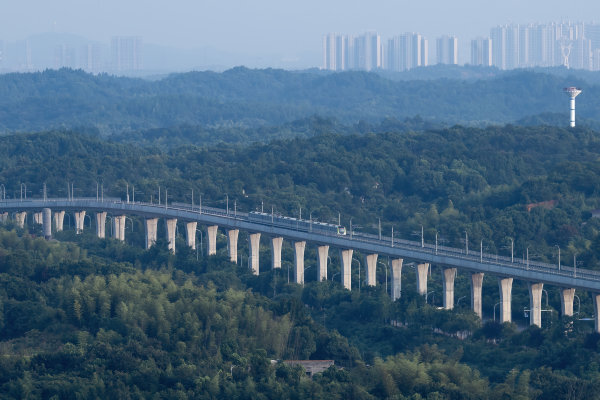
column 450, row 181
column 246, row 98
column 103, row 319
column 87, row 318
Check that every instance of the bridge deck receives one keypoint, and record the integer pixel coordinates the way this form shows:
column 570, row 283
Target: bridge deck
column 365, row 243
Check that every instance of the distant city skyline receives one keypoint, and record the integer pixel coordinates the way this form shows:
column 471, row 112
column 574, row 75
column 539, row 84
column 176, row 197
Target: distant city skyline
column 569, row 44
column 274, row 32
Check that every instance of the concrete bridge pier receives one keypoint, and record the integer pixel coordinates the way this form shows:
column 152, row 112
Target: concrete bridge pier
column 190, row 234
column 211, row 240
column 299, row 261
column 476, row 285
column 254, row 239
column 119, row 228
column 59, row 218
column 151, row 231
column 596, row 297
column 79, row 221
column 422, row 270
column 566, row 302
column 535, row 304
column 171, row 225
column 505, row 299
column 448, row 283
column 322, row 253
column 47, row 223
column 101, row 224
column 346, row 272
column 3, row 217
column 37, row 218
column 397, row 278
column 371, row 264
column 232, row 241
column 276, row 244
column 20, row 217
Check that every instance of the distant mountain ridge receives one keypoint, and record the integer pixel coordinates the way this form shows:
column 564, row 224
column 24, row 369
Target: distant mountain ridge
column 251, row 98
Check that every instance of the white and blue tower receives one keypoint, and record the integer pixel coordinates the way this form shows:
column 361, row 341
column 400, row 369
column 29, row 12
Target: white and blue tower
column 572, row 92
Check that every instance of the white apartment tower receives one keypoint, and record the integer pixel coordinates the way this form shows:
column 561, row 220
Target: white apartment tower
column 406, row 51
column 481, row 52
column 367, row 52
column 329, row 52
column 342, row 52
column 126, row 53
column 447, row 50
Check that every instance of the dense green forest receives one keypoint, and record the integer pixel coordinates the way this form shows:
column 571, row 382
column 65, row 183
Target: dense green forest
column 90, row 318
column 449, row 181
column 244, row 98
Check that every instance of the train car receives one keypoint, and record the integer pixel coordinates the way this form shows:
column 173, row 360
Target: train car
column 296, row 224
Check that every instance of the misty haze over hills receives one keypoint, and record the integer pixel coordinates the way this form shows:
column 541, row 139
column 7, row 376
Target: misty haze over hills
column 57, row 50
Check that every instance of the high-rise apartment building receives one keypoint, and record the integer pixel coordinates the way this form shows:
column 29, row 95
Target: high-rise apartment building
column 342, row 52
column 481, row 52
column 581, row 54
column 65, row 56
column 498, row 36
column 92, row 58
column 329, row 52
column 596, row 60
column 447, row 50
column 126, row 53
column 406, row 51
column 367, row 52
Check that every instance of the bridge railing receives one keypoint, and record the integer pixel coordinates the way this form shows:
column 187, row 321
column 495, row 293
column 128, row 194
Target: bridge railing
column 288, row 223
column 486, row 258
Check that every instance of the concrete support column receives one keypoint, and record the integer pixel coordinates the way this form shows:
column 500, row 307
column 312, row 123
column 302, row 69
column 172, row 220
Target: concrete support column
column 20, row 217
column 3, row 217
column 47, row 223
column 79, row 221
column 346, row 272
column 276, row 244
column 371, row 264
column 101, row 224
column 151, row 231
column 119, row 228
column 535, row 304
column 190, row 234
column 322, row 253
column 211, row 240
column 476, row 285
column 254, row 252
column 596, row 297
column 566, row 302
column 171, row 225
column 232, row 240
column 299, row 261
column 448, row 283
column 505, row 299
column 397, row 278
column 59, row 218
column 37, row 218
column 422, row 270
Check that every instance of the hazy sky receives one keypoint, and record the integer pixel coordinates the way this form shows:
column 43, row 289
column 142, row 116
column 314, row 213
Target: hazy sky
column 275, row 26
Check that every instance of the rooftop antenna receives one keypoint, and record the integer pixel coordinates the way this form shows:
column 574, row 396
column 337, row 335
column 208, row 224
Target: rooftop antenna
column 572, row 92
